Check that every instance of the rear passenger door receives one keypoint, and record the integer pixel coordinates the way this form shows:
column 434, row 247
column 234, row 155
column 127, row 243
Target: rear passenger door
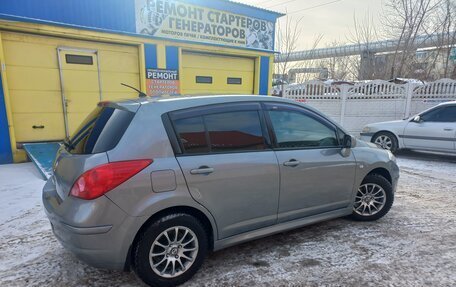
column 228, row 164
column 316, row 177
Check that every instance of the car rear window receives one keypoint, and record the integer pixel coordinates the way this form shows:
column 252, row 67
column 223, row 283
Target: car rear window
column 100, row 131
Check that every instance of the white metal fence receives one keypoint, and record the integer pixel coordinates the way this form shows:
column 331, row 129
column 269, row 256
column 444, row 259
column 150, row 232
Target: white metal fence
column 354, row 106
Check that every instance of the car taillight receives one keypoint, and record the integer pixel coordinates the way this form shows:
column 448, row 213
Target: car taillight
column 103, row 178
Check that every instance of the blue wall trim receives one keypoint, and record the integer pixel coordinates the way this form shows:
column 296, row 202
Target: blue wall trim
column 150, row 53
column 6, row 155
column 29, row 20
column 264, row 75
column 172, row 57
column 116, row 15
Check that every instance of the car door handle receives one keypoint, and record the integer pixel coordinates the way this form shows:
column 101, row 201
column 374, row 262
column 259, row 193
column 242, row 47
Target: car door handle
column 447, row 129
column 292, row 163
column 202, row 170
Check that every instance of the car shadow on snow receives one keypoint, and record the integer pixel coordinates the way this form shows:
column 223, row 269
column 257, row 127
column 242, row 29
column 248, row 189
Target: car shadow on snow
column 427, row 156
column 304, row 248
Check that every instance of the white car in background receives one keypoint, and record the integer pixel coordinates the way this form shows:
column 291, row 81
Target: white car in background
column 431, row 130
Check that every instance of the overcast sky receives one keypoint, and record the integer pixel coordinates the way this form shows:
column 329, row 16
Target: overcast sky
column 333, row 20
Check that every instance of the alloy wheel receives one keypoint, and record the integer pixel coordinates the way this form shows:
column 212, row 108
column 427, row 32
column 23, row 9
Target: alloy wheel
column 173, row 252
column 384, row 141
column 369, row 199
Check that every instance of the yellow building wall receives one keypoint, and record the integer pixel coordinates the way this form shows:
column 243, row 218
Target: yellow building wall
column 37, row 80
column 219, row 69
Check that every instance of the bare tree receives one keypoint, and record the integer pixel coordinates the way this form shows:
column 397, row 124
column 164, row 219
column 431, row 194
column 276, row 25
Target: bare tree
column 435, row 63
column 405, row 20
column 288, row 34
column 339, row 68
column 448, row 11
column 310, row 63
column 287, row 39
column 355, row 67
column 363, row 34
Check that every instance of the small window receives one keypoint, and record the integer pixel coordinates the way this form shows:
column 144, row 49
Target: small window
column 192, row 135
column 203, row 80
column 234, row 81
column 79, row 59
column 235, row 131
column 298, row 130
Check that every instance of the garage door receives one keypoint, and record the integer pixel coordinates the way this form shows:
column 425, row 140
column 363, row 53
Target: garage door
column 88, row 72
column 216, row 74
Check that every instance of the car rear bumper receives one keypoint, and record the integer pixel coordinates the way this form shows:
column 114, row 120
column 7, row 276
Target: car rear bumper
column 94, row 230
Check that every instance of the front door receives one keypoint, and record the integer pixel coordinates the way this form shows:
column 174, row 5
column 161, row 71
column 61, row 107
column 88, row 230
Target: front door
column 228, row 165
column 435, row 130
column 315, row 176
column 80, row 85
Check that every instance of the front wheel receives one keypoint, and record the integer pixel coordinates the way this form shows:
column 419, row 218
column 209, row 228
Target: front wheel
column 373, row 199
column 171, row 250
column 386, row 140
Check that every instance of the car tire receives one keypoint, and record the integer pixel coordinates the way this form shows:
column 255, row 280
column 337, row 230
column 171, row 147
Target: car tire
column 157, row 270
column 374, row 194
column 386, row 140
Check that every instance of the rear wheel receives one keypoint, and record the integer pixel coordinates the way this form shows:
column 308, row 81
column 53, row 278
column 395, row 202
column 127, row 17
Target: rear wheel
column 386, row 140
column 171, row 250
column 373, row 199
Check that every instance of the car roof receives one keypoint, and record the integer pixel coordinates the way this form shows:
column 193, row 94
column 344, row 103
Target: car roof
column 448, row 103
column 165, row 104
column 168, row 104
column 203, row 99
column 180, row 102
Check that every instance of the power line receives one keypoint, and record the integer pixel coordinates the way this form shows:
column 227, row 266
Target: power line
column 316, row 6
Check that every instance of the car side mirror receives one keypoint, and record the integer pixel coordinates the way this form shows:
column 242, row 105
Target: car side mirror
column 347, row 141
column 417, row 119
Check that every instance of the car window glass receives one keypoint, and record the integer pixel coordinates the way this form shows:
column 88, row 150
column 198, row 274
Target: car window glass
column 448, row 114
column 100, row 131
column 235, row 131
column 294, row 129
column 444, row 114
column 340, row 135
column 192, row 135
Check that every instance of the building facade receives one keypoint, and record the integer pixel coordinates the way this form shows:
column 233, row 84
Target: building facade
column 59, row 58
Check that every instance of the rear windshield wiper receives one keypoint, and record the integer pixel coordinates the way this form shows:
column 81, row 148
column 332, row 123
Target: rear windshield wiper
column 68, row 145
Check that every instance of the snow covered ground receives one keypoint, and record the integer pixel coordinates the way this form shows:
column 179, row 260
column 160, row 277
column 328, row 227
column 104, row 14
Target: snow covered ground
column 414, row 245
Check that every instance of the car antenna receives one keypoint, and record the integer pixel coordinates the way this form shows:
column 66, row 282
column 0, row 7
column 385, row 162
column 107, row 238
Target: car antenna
column 140, row 94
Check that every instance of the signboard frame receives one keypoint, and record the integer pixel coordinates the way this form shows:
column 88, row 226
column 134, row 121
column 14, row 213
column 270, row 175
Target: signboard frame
column 179, row 20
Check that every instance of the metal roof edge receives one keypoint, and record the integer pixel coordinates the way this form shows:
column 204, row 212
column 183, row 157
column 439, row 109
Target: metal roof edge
column 279, row 14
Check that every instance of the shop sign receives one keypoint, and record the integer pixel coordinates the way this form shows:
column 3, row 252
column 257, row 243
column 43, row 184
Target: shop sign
column 176, row 19
column 162, row 82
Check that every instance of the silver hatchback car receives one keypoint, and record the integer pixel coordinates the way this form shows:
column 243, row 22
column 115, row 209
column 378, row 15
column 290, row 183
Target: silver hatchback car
column 154, row 184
